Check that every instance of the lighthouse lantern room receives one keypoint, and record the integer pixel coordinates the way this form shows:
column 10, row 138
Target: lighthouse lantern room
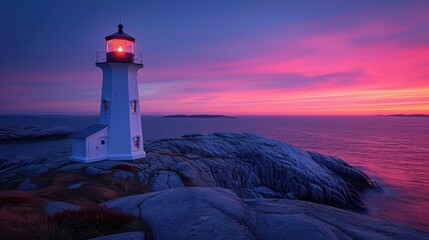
column 118, row 135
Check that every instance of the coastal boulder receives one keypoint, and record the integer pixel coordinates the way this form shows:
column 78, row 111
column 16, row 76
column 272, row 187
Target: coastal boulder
column 122, row 236
column 54, row 207
column 166, row 180
column 253, row 167
column 218, row 213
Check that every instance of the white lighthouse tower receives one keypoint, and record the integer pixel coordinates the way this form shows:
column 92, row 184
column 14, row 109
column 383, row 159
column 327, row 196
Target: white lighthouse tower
column 118, row 135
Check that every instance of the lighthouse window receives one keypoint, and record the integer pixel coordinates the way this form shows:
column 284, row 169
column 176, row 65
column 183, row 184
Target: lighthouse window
column 129, row 46
column 119, row 45
column 105, row 106
column 136, row 142
column 133, row 106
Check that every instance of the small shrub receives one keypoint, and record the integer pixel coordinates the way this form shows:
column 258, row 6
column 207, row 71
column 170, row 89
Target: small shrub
column 34, row 228
column 124, row 167
column 91, row 221
column 83, row 223
column 38, row 228
column 14, row 198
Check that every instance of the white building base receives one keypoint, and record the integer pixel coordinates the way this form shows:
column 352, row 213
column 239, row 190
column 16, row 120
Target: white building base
column 88, row 160
column 127, row 157
column 121, row 157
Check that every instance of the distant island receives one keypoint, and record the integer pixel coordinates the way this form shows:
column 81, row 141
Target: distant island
column 404, row 115
column 197, row 116
column 14, row 134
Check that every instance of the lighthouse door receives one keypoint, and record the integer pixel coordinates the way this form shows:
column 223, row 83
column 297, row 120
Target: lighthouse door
column 102, row 151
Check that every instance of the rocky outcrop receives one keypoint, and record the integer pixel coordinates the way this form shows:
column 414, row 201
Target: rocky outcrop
column 19, row 133
column 122, row 236
column 255, row 167
column 52, row 208
column 249, row 165
column 218, row 213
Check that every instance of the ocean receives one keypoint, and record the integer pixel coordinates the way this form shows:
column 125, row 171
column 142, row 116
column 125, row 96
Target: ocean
column 392, row 150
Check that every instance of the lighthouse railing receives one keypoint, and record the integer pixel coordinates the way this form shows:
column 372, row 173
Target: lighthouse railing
column 138, row 58
column 100, row 57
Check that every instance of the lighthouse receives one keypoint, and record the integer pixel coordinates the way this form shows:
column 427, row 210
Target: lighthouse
column 118, row 135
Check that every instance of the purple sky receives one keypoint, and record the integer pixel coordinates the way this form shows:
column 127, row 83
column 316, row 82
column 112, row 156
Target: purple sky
column 223, row 57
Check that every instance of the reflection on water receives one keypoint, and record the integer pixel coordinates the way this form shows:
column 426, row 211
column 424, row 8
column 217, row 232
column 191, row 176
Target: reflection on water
column 394, row 150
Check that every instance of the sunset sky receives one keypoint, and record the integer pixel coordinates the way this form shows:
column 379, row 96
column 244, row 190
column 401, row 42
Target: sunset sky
column 221, row 57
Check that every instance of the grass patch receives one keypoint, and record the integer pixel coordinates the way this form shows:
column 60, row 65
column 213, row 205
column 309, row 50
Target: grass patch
column 125, row 168
column 37, row 228
column 84, row 223
column 91, row 221
column 14, row 197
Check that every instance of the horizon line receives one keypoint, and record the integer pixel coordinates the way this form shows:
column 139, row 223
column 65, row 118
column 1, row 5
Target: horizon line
column 231, row 115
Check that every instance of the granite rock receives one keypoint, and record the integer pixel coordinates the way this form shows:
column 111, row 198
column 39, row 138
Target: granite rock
column 254, row 167
column 125, row 175
column 218, row 213
column 122, row 236
column 76, row 185
column 33, row 170
column 166, row 180
column 27, row 185
column 53, row 207
column 92, row 170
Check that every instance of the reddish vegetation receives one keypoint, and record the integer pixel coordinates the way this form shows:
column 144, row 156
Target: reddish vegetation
column 96, row 189
column 84, row 223
column 15, row 197
column 22, row 214
column 32, row 228
column 125, row 168
column 91, row 221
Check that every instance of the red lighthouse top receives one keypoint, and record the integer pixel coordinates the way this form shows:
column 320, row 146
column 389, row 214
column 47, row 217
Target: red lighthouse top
column 120, row 41
column 120, row 47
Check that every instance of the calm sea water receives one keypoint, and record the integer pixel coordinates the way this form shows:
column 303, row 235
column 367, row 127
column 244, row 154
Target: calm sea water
column 392, row 150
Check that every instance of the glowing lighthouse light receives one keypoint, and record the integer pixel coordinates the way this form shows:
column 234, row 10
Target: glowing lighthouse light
column 120, row 47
